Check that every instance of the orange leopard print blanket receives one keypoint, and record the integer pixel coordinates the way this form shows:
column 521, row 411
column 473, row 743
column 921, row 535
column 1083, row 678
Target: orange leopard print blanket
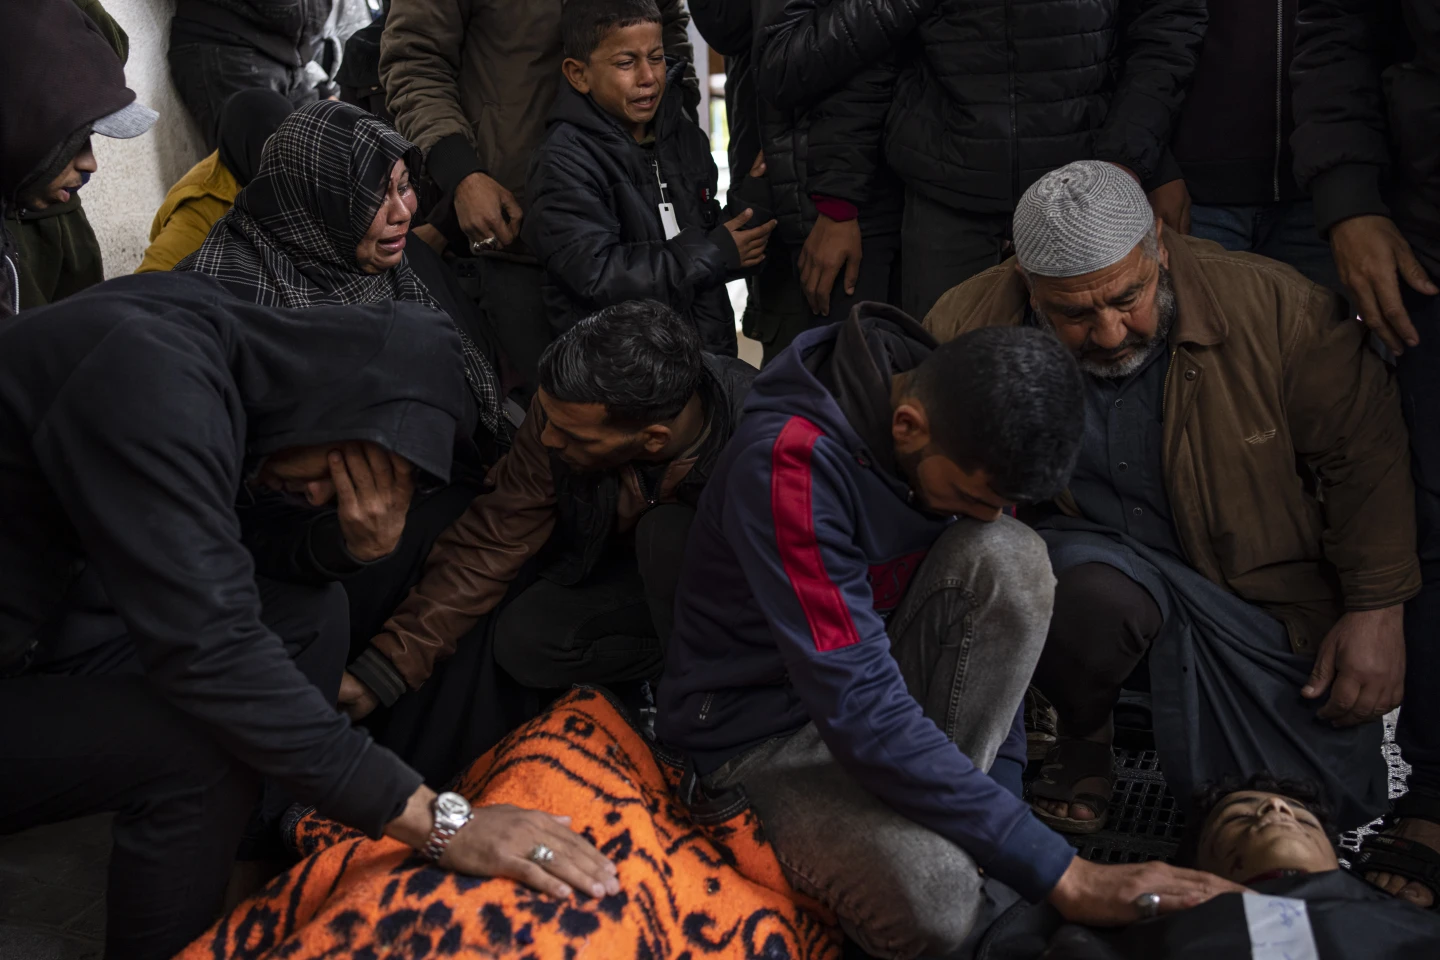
column 687, row 890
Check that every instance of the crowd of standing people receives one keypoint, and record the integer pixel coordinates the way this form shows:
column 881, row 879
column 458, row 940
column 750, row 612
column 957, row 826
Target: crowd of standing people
column 1099, row 357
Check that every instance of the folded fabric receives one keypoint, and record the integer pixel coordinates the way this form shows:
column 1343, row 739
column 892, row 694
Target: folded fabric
column 688, row 888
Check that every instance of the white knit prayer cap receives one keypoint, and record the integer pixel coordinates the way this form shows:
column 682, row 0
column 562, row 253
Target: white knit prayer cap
column 1083, row 217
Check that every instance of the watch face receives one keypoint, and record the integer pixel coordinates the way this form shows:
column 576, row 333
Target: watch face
column 452, row 805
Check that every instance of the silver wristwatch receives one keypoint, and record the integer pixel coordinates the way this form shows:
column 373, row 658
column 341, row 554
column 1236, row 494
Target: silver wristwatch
column 452, row 812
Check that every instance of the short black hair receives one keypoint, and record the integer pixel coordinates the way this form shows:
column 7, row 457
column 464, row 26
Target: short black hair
column 584, row 23
column 639, row 358
column 1008, row 400
column 1210, row 795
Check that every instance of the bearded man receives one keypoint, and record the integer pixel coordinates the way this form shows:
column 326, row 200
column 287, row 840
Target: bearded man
column 1238, row 536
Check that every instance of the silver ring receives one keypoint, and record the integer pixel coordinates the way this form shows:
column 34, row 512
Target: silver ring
column 1148, row 904
column 479, row 246
column 543, row 855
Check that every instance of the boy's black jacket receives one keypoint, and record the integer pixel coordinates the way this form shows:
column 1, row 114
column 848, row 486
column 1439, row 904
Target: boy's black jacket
column 594, row 219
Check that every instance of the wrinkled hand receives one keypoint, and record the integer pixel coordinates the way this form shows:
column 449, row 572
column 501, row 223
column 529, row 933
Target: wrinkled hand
column 498, row 840
column 485, row 209
column 372, row 496
column 356, row 700
column 1370, row 254
column 1171, row 203
column 1362, row 663
column 1103, row 895
column 750, row 241
column 833, row 245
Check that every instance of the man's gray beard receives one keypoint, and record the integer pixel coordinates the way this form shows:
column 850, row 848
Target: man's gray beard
column 1164, row 320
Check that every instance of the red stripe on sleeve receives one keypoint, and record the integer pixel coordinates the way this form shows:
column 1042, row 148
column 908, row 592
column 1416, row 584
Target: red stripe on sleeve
column 831, row 626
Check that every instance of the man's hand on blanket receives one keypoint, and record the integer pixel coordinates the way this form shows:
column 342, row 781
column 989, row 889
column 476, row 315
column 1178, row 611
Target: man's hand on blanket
column 1362, row 663
column 498, row 841
column 1103, row 895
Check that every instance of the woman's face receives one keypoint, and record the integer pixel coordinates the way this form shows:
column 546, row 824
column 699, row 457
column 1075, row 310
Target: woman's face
column 383, row 245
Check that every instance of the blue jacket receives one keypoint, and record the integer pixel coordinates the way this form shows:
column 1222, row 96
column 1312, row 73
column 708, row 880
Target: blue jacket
column 804, row 540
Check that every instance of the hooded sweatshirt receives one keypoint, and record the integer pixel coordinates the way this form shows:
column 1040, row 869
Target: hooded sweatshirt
column 778, row 623
column 130, row 416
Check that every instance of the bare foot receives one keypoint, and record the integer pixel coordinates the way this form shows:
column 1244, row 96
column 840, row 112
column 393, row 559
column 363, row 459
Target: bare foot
column 1421, row 831
column 1096, row 785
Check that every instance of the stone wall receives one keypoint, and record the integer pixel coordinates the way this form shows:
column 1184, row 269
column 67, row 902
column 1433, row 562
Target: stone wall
column 122, row 197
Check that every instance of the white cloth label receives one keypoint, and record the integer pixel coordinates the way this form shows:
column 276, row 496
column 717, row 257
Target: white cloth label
column 1279, row 928
column 667, row 218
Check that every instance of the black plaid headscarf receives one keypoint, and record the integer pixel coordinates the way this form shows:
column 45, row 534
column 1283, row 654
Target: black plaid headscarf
column 290, row 239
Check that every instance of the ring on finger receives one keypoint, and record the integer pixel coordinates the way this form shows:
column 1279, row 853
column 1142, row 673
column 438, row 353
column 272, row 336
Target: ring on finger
column 479, row 246
column 1148, row 905
column 542, row 854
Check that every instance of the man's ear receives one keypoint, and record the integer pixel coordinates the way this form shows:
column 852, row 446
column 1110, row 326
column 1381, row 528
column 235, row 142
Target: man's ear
column 577, row 73
column 1162, row 253
column 910, row 427
column 655, row 437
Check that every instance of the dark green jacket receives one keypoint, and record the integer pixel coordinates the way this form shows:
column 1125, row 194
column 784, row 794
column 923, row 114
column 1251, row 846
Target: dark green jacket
column 56, row 249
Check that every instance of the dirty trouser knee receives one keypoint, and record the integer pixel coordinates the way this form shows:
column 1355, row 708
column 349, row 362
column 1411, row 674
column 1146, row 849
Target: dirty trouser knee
column 1104, row 622
column 966, row 635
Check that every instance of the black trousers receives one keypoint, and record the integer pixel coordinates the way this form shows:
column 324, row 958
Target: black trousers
column 1102, row 626
column 208, row 74
column 85, row 742
column 941, row 248
column 613, row 627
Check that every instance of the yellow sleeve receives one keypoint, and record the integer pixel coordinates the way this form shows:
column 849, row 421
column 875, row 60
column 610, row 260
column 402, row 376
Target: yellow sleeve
column 182, row 233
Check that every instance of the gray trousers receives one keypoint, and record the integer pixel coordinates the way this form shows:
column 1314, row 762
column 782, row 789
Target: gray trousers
column 967, row 636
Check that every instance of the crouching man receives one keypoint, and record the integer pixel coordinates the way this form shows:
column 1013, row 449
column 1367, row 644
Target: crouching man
column 599, row 489
column 853, row 656
column 143, row 670
column 1239, row 533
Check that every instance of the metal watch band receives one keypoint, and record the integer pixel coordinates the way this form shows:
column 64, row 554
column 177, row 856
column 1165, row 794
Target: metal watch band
column 440, row 836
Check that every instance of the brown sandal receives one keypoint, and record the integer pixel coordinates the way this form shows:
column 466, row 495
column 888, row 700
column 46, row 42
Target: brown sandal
column 1068, row 765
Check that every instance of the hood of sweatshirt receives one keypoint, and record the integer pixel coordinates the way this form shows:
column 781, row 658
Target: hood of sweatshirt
column 580, row 109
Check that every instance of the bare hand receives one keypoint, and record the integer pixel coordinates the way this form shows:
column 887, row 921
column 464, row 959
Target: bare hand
column 750, row 242
column 1362, row 663
column 833, row 245
column 498, row 841
column 757, row 169
column 1370, row 253
column 1171, row 203
column 1103, row 895
column 356, row 700
column 372, row 496
column 485, row 209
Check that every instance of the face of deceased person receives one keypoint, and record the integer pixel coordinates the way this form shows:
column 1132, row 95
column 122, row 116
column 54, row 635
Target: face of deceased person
column 1252, row 832
column 1114, row 318
column 383, row 245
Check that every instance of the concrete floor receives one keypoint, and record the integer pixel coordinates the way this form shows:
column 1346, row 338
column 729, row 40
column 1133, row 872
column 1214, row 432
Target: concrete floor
column 52, row 891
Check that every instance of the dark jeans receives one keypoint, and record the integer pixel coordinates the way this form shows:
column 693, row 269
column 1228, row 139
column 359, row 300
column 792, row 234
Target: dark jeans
column 1419, row 370
column 966, row 636
column 208, row 74
column 941, row 248
column 777, row 311
column 1104, row 623
column 613, row 627
column 1280, row 231
column 86, row 742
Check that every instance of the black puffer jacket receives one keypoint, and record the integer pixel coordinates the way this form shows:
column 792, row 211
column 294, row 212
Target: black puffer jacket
column 995, row 93
column 831, row 147
column 594, row 219
column 1367, row 111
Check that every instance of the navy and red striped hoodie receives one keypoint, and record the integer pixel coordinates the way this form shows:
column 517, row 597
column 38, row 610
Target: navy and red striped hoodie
column 805, row 539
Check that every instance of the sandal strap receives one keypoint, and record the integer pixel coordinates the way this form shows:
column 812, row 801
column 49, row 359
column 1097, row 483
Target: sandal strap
column 1074, row 761
column 1383, row 853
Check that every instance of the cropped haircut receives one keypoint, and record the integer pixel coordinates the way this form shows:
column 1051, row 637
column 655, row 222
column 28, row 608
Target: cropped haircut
column 639, row 358
column 584, row 23
column 1208, row 796
column 1008, row 400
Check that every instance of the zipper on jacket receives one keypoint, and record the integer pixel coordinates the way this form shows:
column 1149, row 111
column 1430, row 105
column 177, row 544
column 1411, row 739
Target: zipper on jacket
column 1279, row 90
column 1014, row 121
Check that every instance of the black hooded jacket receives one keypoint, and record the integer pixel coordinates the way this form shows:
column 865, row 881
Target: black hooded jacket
column 993, row 94
column 594, row 220
column 1367, row 111
column 130, row 416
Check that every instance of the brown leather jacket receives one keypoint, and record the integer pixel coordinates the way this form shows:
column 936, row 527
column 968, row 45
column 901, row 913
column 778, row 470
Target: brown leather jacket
column 471, row 81
column 1272, row 394
column 473, row 562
